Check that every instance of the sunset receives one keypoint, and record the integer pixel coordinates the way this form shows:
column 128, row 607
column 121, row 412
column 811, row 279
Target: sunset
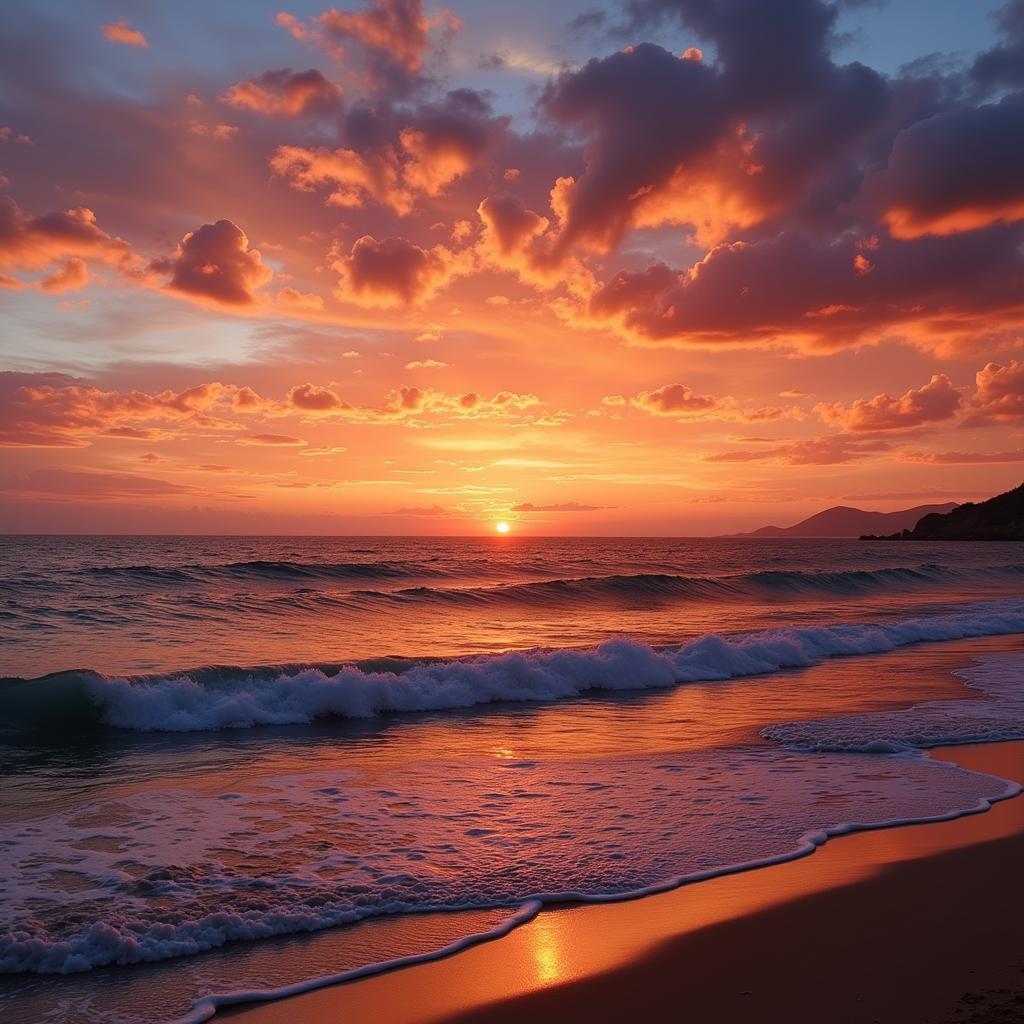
column 506, row 507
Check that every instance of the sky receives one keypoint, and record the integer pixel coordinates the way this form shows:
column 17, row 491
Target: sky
column 655, row 267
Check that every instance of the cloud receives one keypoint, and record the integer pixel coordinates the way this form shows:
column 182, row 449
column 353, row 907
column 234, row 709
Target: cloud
column 395, row 155
column 313, row 398
column 831, row 450
column 70, row 276
column 55, row 410
column 293, row 299
column 323, row 452
column 425, row 364
column 567, row 506
column 219, row 132
column 790, row 287
column 215, row 263
column 962, row 458
column 677, row 400
column 934, row 402
column 85, row 486
column 391, row 39
column 121, row 32
column 673, row 400
column 623, row 104
column 393, row 271
column 427, row 510
column 513, row 239
column 270, row 440
column 954, row 172
column 286, row 93
column 999, row 394
column 1003, row 64
column 32, row 243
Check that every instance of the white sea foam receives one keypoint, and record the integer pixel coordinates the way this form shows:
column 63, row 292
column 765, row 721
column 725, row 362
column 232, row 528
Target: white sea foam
column 184, row 704
column 1000, row 716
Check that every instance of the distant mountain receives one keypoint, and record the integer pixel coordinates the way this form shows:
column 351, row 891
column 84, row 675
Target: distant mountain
column 999, row 518
column 843, row 521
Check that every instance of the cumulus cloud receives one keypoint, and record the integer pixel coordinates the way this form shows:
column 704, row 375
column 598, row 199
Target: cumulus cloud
column 998, row 396
column 315, row 399
column 934, row 402
column 393, row 271
column 674, row 400
column 792, row 288
column 395, row 155
column 215, row 263
column 680, row 401
column 33, row 243
column 286, row 93
column 623, row 103
column 409, row 402
column 55, row 410
column 956, row 171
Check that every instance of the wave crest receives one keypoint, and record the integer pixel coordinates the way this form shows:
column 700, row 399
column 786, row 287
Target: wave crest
column 237, row 699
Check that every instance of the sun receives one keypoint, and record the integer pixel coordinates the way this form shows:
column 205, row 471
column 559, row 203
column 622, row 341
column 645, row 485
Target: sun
column 502, row 527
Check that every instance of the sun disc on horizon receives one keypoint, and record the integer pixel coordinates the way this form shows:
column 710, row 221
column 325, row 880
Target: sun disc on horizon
column 502, row 527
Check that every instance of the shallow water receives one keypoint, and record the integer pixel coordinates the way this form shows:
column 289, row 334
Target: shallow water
column 605, row 776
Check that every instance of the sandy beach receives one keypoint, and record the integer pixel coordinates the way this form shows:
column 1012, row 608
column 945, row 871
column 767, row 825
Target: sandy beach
column 922, row 923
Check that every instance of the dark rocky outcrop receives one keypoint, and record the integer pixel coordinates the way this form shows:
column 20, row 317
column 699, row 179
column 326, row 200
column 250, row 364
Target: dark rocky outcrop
column 999, row 518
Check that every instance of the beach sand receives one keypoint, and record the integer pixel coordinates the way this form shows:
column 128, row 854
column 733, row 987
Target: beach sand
column 922, row 923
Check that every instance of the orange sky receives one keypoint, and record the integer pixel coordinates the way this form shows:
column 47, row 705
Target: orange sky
column 668, row 267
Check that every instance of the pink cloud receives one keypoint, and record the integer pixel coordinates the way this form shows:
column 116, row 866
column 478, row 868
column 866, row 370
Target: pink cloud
column 121, row 32
column 70, row 276
column 32, row 243
column 831, row 450
column 934, row 402
column 285, row 93
column 391, row 39
column 313, row 398
column 215, row 263
column 999, row 394
column 393, row 271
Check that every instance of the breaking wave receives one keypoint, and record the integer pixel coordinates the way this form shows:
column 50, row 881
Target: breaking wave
column 213, row 699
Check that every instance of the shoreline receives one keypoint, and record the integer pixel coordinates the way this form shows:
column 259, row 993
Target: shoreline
column 873, row 902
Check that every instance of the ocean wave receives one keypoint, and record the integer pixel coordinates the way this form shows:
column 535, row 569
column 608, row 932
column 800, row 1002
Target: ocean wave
column 262, row 569
column 237, row 699
column 652, row 587
column 506, row 585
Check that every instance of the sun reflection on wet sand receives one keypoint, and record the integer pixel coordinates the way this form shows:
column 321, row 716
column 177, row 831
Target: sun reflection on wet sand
column 547, row 953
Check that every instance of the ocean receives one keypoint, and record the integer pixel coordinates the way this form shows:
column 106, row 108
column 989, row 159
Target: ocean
column 241, row 764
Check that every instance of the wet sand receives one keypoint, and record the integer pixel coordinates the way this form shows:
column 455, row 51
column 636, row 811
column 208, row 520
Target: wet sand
column 923, row 923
